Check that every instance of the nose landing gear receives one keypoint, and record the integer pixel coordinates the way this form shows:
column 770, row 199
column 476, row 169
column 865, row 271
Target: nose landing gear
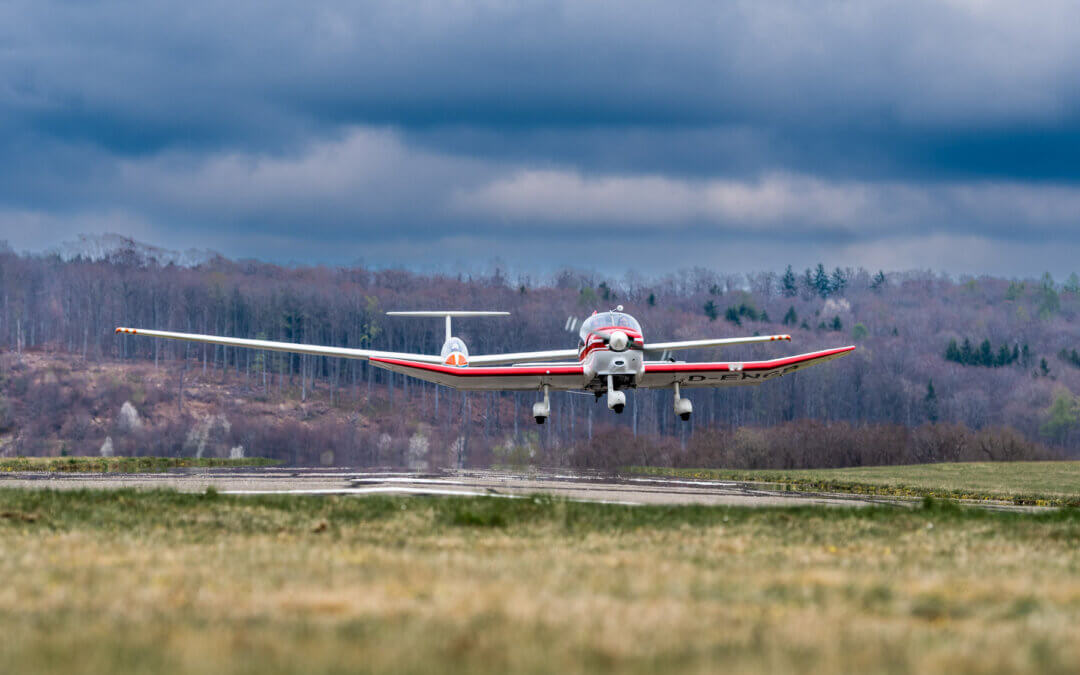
column 683, row 407
column 616, row 400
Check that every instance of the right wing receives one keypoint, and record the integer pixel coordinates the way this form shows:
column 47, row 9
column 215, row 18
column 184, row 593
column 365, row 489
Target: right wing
column 508, row 378
column 727, row 373
column 714, row 342
column 295, row 348
column 654, row 347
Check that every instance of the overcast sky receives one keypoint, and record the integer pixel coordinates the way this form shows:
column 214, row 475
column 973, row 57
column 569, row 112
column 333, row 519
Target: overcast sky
column 611, row 135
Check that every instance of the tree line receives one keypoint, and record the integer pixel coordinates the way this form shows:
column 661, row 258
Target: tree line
column 897, row 320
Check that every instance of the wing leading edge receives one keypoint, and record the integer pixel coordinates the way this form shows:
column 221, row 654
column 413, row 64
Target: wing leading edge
column 730, row 373
column 346, row 352
column 486, row 378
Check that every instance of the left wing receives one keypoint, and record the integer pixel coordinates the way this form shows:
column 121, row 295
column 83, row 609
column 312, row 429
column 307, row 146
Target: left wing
column 728, row 373
column 270, row 345
column 507, row 378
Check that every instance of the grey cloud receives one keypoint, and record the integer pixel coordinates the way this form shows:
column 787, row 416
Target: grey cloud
column 413, row 131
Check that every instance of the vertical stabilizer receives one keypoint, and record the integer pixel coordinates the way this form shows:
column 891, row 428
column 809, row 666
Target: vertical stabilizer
column 449, row 341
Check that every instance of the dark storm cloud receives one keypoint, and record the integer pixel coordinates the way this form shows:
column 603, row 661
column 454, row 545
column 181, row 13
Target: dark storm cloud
column 845, row 124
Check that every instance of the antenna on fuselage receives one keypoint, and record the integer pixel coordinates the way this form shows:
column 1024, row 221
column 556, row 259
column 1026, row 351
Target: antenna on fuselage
column 448, row 314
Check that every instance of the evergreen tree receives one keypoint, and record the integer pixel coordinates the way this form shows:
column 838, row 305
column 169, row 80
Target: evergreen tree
column 1044, row 367
column 710, row 310
column 732, row 315
column 878, row 282
column 605, row 291
column 837, row 325
column 652, row 300
column 791, row 318
column 930, row 402
column 821, row 281
column 789, row 284
column 952, row 352
column 1072, row 284
column 1025, row 356
column 1015, row 354
column 967, row 354
column 1003, row 356
column 986, row 354
column 838, row 282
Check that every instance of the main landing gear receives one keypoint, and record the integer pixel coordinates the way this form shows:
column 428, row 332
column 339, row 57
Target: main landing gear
column 542, row 409
column 683, row 407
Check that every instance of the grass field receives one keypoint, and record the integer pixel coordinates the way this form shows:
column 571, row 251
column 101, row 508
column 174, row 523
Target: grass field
column 1034, row 483
column 151, row 582
column 123, row 464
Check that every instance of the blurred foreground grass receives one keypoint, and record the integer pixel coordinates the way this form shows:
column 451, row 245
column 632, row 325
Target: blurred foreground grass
column 151, row 582
column 124, row 464
column 1032, row 483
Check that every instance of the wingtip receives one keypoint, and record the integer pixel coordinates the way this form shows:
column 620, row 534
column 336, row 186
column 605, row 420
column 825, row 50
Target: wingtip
column 129, row 331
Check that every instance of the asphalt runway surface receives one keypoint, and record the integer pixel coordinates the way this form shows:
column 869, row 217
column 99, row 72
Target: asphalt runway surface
column 340, row 481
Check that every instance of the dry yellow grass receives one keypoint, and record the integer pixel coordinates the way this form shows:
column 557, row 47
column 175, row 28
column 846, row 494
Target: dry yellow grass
column 159, row 582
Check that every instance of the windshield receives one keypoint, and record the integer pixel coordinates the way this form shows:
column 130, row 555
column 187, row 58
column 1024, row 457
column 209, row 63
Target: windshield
column 608, row 320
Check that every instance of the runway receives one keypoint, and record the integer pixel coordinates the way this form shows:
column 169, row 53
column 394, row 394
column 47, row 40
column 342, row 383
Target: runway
column 342, row 481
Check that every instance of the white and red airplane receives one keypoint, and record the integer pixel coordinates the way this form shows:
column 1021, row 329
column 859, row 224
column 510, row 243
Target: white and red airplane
column 611, row 357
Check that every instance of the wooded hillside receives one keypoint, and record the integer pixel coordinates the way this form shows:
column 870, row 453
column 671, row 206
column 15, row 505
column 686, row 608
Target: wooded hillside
column 910, row 369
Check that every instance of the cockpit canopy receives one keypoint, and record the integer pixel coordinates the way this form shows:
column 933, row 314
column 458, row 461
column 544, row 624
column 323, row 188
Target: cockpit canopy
column 608, row 320
column 455, row 345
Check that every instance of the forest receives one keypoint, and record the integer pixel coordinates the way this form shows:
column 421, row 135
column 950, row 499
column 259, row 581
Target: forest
column 971, row 360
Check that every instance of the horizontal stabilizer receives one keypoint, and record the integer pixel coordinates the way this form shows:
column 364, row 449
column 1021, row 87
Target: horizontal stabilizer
column 452, row 313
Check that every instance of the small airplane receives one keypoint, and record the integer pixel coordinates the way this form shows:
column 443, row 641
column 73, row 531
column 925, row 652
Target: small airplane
column 611, row 357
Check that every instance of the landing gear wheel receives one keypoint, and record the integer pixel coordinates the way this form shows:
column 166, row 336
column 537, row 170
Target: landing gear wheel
column 619, row 408
column 540, row 420
column 685, row 417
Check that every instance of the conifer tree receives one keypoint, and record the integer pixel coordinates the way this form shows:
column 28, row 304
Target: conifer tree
column 710, row 310
column 930, row 402
column 952, row 352
column 789, row 284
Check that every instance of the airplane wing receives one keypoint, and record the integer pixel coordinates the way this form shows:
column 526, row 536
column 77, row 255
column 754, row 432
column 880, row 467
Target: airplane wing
column 715, row 342
column 658, row 347
column 485, row 378
column 522, row 357
column 728, row 373
column 295, row 348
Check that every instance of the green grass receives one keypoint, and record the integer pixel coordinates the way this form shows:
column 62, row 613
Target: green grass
column 123, row 464
column 161, row 582
column 1030, row 483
